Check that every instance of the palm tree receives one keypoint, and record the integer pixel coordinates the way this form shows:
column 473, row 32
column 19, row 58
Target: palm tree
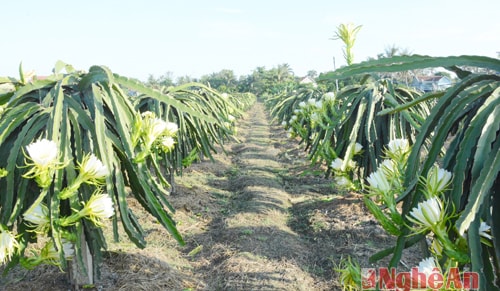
column 403, row 77
column 312, row 73
column 282, row 72
column 392, row 51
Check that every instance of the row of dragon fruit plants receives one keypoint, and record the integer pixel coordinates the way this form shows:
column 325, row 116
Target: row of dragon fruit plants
column 75, row 145
column 427, row 164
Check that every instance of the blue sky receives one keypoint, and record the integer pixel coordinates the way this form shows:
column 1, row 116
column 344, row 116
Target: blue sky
column 194, row 38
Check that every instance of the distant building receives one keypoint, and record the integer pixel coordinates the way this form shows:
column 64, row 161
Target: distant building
column 431, row 83
column 308, row 80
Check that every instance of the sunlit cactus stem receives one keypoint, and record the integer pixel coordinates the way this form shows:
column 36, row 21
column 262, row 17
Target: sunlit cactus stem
column 347, row 34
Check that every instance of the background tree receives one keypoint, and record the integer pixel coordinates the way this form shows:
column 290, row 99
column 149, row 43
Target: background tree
column 281, row 73
column 245, row 83
column 185, row 79
column 165, row 80
column 312, row 73
column 224, row 81
column 259, row 81
column 402, row 77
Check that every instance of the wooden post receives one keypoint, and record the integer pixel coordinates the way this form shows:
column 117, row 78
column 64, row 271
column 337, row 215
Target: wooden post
column 172, row 180
column 77, row 276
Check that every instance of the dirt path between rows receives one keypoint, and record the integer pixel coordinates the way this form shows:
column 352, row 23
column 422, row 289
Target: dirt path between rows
column 256, row 218
column 251, row 246
column 278, row 224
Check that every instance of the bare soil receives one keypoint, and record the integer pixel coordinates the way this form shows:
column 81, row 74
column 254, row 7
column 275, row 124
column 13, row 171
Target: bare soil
column 259, row 217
